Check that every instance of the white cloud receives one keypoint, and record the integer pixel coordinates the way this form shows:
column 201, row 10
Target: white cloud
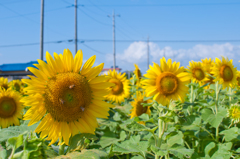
column 137, row 53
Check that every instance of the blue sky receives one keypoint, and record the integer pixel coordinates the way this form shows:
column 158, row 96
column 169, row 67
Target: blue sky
column 163, row 21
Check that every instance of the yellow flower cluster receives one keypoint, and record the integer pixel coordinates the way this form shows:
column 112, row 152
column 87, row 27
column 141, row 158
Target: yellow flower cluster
column 68, row 96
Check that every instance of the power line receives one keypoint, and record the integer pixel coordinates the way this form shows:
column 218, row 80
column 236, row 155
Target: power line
column 93, row 49
column 123, row 33
column 93, row 18
column 163, row 5
column 98, row 7
column 37, row 43
column 106, row 40
column 22, row 15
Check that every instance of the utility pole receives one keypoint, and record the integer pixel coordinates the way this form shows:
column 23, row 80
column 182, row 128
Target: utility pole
column 114, row 41
column 41, row 29
column 76, row 26
column 148, row 52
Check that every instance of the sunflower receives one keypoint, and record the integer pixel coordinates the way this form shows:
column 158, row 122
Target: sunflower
column 68, row 98
column 238, row 78
column 166, row 82
column 198, row 75
column 138, row 108
column 137, row 72
column 234, row 113
column 121, row 89
column 207, row 64
column 224, row 72
column 16, row 85
column 4, row 83
column 11, row 108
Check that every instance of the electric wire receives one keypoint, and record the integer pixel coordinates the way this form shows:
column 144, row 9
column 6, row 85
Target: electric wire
column 164, row 5
column 92, row 49
column 29, row 19
column 123, row 41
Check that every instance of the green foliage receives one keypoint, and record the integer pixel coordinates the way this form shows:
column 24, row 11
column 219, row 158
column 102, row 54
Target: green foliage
column 198, row 128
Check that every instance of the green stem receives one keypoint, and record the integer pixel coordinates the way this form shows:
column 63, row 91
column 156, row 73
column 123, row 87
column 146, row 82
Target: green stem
column 216, row 109
column 161, row 129
column 127, row 156
column 187, row 144
column 12, row 153
column 230, row 98
column 207, row 131
column 191, row 100
column 61, row 149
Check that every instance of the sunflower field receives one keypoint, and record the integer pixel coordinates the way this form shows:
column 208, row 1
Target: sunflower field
column 66, row 109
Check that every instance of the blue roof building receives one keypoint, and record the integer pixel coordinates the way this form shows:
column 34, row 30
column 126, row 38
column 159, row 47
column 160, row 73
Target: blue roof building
column 16, row 69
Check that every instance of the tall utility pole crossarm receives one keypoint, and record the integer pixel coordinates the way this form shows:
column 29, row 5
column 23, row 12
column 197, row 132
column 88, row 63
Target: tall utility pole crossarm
column 76, row 26
column 41, row 29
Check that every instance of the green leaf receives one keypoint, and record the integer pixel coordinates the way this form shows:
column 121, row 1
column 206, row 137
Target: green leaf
column 133, row 126
column 158, row 151
column 14, row 131
column 34, row 148
column 85, row 154
column 208, row 148
column 15, row 142
column 230, row 134
column 108, row 138
column 134, row 145
column 80, row 141
column 117, row 117
column 137, row 157
column 213, row 119
column 192, row 123
column 176, row 139
column 3, row 154
column 123, row 135
column 180, row 151
column 223, row 151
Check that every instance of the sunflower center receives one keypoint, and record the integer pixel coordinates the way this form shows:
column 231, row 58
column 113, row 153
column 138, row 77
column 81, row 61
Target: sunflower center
column 67, row 95
column 7, row 107
column 140, row 108
column 17, row 87
column 226, row 73
column 167, row 83
column 118, row 88
column 198, row 74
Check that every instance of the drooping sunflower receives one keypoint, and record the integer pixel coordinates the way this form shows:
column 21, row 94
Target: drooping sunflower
column 121, row 88
column 4, row 83
column 68, row 98
column 207, row 66
column 138, row 108
column 234, row 113
column 16, row 85
column 11, row 108
column 137, row 72
column 197, row 73
column 224, row 72
column 166, row 82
